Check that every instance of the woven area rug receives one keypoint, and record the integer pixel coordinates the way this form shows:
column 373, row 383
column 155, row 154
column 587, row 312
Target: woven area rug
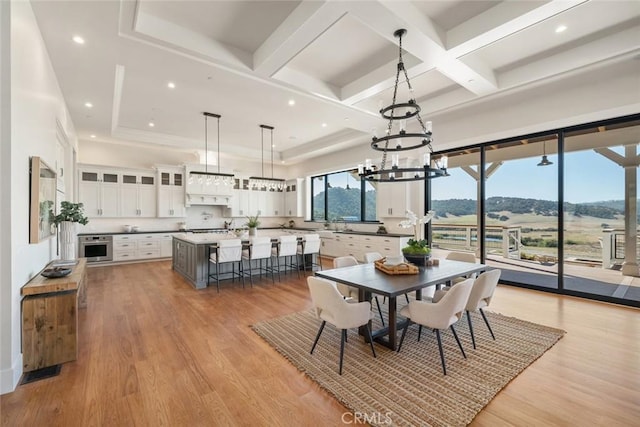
column 408, row 388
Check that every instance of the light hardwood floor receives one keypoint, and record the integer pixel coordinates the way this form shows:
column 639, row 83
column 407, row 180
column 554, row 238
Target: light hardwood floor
column 154, row 351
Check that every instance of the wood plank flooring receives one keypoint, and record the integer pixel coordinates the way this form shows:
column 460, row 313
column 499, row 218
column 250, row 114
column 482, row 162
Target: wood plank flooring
column 154, row 351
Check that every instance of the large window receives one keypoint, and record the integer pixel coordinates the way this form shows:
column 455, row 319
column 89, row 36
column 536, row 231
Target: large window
column 342, row 196
column 558, row 210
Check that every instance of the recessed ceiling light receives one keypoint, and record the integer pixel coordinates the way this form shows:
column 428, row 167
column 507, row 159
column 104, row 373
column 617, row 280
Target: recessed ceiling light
column 292, row 102
column 171, row 85
column 78, row 39
column 324, row 125
column 88, row 104
column 151, row 124
column 560, row 28
column 346, row 119
column 92, row 136
column 273, row 145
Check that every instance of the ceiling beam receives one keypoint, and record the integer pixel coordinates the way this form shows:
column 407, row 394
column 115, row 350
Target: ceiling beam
column 305, row 24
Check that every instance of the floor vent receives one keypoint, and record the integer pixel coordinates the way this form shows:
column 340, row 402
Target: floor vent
column 40, row 374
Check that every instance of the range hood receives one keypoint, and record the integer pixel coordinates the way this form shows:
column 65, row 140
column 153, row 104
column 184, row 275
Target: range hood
column 208, row 199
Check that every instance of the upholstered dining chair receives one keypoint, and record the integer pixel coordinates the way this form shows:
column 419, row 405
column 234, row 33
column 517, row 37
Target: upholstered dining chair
column 286, row 248
column 349, row 291
column 310, row 246
column 439, row 316
column 481, row 295
column 462, row 257
column 226, row 251
column 371, row 257
column 331, row 307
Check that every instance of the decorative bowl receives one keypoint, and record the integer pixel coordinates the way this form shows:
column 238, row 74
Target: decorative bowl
column 55, row 272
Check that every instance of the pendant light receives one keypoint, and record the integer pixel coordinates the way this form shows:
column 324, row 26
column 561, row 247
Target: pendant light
column 206, row 177
column 262, row 182
column 544, row 161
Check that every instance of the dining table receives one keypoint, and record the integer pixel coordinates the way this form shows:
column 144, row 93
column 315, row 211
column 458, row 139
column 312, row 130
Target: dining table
column 370, row 280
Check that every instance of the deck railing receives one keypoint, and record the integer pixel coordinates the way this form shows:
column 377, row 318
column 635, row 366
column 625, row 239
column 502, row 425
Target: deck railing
column 506, row 241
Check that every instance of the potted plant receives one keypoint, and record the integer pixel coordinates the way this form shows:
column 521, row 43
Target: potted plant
column 417, row 250
column 252, row 223
column 70, row 214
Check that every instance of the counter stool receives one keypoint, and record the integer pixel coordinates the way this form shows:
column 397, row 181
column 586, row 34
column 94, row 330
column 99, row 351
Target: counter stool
column 259, row 250
column 226, row 251
column 310, row 246
column 287, row 247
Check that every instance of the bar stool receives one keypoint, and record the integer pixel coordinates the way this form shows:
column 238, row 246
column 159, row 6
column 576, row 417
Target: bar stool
column 287, row 247
column 226, row 251
column 259, row 250
column 310, row 246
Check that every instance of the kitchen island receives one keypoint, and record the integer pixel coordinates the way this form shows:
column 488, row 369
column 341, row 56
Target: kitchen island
column 191, row 252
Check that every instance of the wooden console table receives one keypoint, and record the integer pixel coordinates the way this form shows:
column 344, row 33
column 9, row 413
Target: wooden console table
column 50, row 318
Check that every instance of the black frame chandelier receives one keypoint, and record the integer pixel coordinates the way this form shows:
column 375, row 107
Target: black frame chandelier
column 262, row 182
column 206, row 177
column 400, row 112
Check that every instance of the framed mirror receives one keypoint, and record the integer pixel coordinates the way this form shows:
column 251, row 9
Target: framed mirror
column 42, row 201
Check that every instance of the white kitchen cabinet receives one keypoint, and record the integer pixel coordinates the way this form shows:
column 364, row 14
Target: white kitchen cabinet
column 138, row 195
column 240, row 199
column 392, row 199
column 99, row 192
column 140, row 246
column 357, row 245
column 294, row 198
column 171, row 193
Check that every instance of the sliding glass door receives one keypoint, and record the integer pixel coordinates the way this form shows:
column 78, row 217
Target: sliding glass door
column 601, row 213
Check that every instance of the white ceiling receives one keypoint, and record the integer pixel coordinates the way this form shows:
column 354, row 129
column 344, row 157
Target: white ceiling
column 337, row 59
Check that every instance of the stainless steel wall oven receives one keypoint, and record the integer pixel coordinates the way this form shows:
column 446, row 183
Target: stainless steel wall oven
column 96, row 248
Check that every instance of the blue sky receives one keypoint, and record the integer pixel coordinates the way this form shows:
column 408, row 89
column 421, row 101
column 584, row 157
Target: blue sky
column 589, row 177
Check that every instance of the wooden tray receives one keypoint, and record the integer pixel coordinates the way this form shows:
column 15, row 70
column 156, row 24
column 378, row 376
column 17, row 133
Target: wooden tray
column 403, row 268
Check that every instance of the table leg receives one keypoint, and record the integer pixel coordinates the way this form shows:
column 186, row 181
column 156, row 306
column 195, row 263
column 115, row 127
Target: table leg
column 393, row 321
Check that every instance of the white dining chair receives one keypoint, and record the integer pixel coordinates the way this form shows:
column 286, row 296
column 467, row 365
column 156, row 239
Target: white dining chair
column 349, row 291
column 439, row 316
column 330, row 306
column 481, row 294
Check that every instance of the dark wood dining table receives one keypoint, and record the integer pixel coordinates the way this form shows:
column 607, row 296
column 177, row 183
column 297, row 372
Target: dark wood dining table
column 370, row 280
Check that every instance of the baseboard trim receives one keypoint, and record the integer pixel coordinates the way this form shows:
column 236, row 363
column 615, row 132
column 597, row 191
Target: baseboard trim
column 9, row 378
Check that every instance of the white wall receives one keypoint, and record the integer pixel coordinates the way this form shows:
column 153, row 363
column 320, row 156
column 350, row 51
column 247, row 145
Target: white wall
column 7, row 380
column 36, row 105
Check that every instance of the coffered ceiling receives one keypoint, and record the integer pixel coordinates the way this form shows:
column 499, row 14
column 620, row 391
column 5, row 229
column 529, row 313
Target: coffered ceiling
column 336, row 60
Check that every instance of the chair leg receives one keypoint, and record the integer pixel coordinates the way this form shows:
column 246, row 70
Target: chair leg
column 278, row 263
column 419, row 332
column 344, row 338
column 444, row 365
column 487, row 322
column 270, row 264
column 455, row 335
column 366, row 326
column 379, row 310
column 473, row 338
column 404, row 332
column 218, row 276
column 241, row 270
column 324, row 322
column 407, row 297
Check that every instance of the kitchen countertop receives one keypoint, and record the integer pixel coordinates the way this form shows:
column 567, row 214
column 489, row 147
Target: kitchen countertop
column 211, row 238
column 198, row 230
column 370, row 233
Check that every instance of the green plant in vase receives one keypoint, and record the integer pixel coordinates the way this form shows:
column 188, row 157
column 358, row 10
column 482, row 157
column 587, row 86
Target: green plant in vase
column 70, row 214
column 252, row 222
column 417, row 250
